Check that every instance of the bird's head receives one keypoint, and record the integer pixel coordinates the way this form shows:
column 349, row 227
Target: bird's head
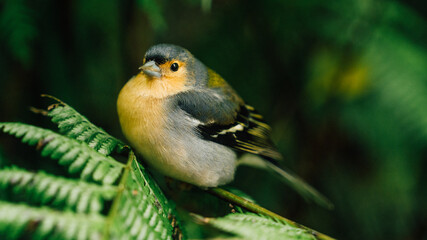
column 171, row 63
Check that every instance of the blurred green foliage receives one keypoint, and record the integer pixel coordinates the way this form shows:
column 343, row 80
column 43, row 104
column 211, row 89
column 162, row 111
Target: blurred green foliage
column 343, row 84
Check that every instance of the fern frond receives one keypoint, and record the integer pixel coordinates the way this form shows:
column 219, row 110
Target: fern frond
column 18, row 221
column 74, row 125
column 140, row 209
column 141, row 179
column 61, row 193
column 139, row 218
column 76, row 155
column 252, row 226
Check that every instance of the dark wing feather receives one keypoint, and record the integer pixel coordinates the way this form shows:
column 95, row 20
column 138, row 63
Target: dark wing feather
column 225, row 119
column 247, row 133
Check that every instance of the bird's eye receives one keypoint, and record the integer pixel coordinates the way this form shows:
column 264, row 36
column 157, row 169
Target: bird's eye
column 174, row 67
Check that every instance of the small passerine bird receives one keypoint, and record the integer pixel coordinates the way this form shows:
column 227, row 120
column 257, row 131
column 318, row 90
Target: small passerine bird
column 189, row 124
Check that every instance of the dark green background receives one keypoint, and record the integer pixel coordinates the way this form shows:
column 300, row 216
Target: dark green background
column 343, row 84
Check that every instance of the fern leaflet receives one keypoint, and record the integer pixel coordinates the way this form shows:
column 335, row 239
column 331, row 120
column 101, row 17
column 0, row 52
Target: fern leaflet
column 252, row 226
column 74, row 125
column 76, row 155
column 141, row 210
column 61, row 193
column 18, row 221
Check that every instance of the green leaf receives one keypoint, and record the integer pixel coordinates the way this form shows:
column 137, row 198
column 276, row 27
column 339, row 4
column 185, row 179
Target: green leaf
column 41, row 188
column 18, row 221
column 252, row 226
column 141, row 210
column 79, row 157
column 74, row 125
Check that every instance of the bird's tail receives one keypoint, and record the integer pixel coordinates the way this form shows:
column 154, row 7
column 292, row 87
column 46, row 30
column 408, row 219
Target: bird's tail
column 304, row 189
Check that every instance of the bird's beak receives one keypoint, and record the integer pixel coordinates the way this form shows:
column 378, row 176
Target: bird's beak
column 151, row 69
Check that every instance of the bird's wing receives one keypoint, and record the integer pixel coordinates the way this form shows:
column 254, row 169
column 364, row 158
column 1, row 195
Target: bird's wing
column 247, row 133
column 225, row 119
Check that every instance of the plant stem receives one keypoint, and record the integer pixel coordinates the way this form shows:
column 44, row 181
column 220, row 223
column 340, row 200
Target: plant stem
column 232, row 198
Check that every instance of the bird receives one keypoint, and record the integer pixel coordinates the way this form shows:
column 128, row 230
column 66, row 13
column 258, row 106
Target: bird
column 189, row 124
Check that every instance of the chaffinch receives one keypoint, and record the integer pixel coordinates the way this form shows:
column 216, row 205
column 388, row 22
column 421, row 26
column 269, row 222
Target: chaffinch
column 189, row 124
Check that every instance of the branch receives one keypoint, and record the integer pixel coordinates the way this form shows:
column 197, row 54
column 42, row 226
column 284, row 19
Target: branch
column 250, row 206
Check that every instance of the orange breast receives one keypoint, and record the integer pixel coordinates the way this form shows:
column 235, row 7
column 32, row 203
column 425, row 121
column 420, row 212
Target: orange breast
column 141, row 115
